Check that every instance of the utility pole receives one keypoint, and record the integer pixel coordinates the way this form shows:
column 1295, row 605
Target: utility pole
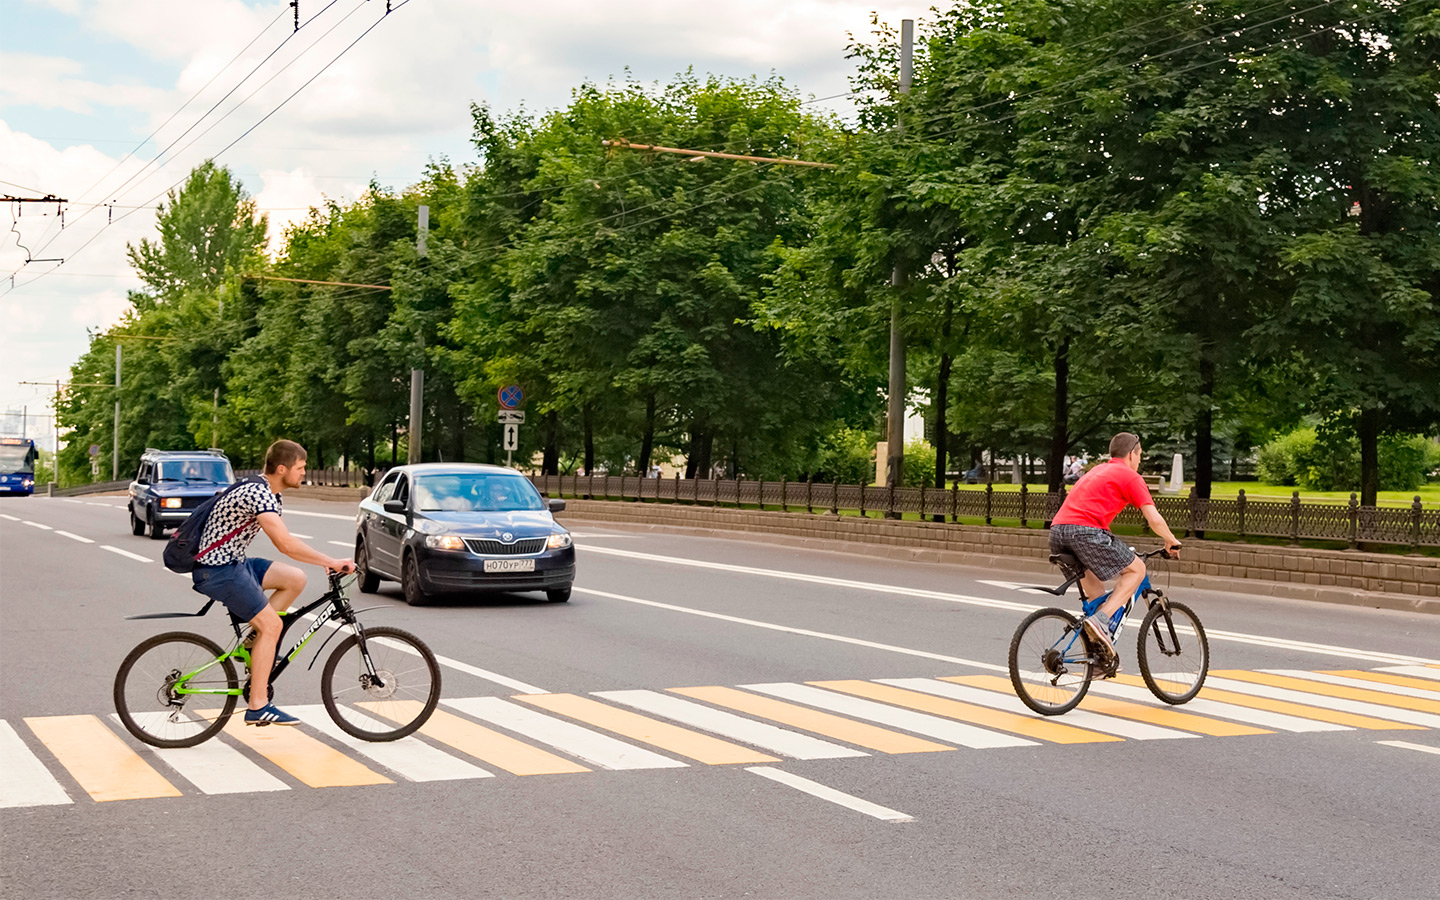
column 895, row 413
column 215, row 422
column 417, row 376
column 115, row 454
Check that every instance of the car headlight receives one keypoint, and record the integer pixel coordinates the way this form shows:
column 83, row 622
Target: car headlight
column 559, row 541
column 444, row 542
column 170, row 503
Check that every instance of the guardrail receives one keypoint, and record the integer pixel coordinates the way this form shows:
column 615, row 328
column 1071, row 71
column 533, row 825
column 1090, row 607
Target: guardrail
column 331, row 477
column 99, row 487
column 1415, row 526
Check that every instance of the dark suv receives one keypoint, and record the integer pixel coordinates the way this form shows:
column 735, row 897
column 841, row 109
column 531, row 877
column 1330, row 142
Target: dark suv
column 171, row 483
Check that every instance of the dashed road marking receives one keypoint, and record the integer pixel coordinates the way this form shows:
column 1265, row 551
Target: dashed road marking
column 1406, row 745
column 816, row 789
column 126, row 553
column 75, row 537
column 37, row 525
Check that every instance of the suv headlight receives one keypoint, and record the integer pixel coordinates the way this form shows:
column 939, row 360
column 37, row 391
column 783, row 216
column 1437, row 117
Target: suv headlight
column 559, row 541
column 444, row 542
column 170, row 503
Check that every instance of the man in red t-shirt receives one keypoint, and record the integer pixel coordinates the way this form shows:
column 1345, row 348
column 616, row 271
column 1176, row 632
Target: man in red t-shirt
column 1082, row 529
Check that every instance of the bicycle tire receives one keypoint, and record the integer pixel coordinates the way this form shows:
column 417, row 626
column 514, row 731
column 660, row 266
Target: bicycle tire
column 407, row 697
column 143, row 703
column 1032, row 663
column 1156, row 635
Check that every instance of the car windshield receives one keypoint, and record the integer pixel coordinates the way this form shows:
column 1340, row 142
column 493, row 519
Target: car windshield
column 214, row 471
column 475, row 492
column 15, row 458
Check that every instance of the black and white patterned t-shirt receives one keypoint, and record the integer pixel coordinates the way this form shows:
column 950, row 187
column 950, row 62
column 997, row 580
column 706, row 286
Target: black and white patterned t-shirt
column 240, row 507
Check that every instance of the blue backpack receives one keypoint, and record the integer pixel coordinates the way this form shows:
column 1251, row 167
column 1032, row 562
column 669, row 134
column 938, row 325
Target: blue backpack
column 184, row 545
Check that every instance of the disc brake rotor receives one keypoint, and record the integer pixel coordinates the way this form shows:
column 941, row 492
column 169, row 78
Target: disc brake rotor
column 385, row 687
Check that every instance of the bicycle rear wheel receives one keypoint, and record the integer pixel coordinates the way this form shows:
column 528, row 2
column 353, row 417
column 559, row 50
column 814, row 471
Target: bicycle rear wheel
column 1050, row 662
column 1174, row 654
column 148, row 685
column 387, row 707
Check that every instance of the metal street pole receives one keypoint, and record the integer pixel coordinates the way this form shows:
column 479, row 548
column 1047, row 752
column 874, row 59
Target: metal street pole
column 115, row 453
column 895, row 413
column 215, row 422
column 417, row 376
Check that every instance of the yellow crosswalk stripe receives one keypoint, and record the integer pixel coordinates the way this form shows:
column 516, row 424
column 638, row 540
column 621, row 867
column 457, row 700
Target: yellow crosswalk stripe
column 1290, row 708
column 861, row 734
column 1423, row 684
column 700, row 747
column 485, row 744
column 1139, row 712
column 1331, row 690
column 310, row 761
column 104, row 765
column 969, row 712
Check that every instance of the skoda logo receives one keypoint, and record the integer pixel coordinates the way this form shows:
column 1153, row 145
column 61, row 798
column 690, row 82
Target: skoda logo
column 507, row 537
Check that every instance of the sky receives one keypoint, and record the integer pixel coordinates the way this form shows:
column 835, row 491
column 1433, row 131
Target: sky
column 106, row 102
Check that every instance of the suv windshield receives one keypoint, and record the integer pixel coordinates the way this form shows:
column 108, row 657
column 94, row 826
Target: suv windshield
column 209, row 471
column 475, row 492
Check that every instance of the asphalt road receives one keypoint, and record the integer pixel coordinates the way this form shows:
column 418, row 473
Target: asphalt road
column 1284, row 785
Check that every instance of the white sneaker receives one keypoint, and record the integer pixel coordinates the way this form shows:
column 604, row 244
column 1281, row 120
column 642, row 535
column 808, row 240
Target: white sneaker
column 1099, row 631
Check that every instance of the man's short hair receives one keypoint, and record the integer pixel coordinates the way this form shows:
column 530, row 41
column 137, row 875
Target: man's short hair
column 283, row 453
column 1122, row 443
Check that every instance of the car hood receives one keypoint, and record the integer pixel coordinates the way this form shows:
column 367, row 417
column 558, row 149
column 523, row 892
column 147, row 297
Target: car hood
column 191, row 489
column 520, row 524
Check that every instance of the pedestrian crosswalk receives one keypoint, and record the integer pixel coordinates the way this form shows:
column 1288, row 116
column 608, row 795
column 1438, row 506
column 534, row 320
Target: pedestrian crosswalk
column 58, row 760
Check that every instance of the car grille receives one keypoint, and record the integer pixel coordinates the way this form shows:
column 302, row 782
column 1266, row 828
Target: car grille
column 499, row 548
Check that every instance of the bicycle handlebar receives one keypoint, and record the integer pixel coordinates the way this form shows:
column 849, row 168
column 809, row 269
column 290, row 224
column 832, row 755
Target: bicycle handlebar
column 1161, row 551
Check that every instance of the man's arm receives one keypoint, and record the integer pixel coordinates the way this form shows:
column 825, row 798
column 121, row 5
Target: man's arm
column 295, row 548
column 1159, row 526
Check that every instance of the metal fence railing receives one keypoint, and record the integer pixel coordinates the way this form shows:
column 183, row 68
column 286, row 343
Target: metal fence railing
column 1293, row 519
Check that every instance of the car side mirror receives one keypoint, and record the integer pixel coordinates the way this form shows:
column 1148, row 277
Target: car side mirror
column 394, row 506
column 557, row 505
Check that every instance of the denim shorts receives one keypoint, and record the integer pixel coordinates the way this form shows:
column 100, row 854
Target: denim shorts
column 1098, row 550
column 236, row 585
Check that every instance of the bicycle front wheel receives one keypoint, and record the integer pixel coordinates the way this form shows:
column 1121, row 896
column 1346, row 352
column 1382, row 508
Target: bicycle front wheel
column 1050, row 662
column 1174, row 654
column 167, row 681
column 392, row 702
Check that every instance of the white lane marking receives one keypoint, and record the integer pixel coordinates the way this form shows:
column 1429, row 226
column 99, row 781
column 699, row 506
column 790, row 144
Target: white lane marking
column 759, row 734
column 9, row 518
column 126, row 553
column 815, row 789
column 93, row 503
column 1263, row 718
column 920, row 723
column 114, row 505
column 590, row 534
column 588, row 745
column 1012, row 586
column 37, row 525
column 1406, row 745
column 1139, row 731
column 1339, row 704
column 1233, row 636
column 503, row 680
column 408, row 757
column 214, row 767
column 303, row 512
column 69, row 500
column 75, row 537
column 346, row 544
column 1414, row 671
column 804, row 632
column 303, row 537
column 1399, row 690
column 27, row 782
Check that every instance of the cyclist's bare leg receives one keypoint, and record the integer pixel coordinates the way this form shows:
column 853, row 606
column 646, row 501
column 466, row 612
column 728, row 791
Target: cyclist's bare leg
column 1091, row 585
column 1125, row 585
column 286, row 582
column 262, row 655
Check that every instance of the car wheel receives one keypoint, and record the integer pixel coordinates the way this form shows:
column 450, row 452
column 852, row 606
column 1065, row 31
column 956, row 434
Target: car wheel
column 558, row 595
column 137, row 527
column 157, row 530
column 369, row 581
column 415, row 595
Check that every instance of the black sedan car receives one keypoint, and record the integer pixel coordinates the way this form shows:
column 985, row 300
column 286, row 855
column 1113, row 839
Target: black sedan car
column 462, row 527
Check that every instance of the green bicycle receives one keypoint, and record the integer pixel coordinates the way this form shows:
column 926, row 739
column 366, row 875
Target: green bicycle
column 179, row 689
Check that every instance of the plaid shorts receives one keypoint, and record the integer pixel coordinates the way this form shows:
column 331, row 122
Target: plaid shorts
column 1097, row 549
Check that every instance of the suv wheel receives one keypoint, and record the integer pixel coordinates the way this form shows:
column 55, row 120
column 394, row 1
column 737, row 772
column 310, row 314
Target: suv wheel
column 415, row 595
column 157, row 530
column 137, row 527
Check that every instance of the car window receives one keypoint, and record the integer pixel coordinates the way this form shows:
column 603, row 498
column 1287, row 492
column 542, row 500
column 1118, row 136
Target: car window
column 142, row 474
column 386, row 490
column 475, row 492
column 402, row 489
column 216, row 471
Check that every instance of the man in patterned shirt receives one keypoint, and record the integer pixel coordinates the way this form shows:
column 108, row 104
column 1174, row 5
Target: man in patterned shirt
column 223, row 572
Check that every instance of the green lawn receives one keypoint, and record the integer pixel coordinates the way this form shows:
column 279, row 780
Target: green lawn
column 1227, row 490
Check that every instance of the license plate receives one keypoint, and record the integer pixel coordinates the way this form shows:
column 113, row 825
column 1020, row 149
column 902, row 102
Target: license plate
column 509, row 565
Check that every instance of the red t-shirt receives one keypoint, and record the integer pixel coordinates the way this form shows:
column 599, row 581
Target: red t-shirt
column 1101, row 493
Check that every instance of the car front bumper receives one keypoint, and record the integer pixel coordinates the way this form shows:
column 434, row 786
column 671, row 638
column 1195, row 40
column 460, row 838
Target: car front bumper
column 442, row 571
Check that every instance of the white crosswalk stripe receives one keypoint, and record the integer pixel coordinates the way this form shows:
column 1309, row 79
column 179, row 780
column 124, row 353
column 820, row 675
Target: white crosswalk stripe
column 567, row 737
column 1342, row 681
column 1339, row 704
column 26, row 781
column 214, row 767
column 1139, row 731
column 1261, row 717
column 1413, row 671
column 408, row 757
column 759, row 734
column 919, row 723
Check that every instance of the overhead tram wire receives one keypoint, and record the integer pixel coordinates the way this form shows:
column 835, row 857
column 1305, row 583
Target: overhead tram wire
column 348, row 47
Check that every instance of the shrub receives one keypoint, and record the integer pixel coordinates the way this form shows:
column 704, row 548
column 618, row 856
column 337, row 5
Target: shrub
column 1331, row 462
column 847, row 457
column 919, row 465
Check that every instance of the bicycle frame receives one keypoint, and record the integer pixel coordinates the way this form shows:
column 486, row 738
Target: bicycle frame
column 1089, row 605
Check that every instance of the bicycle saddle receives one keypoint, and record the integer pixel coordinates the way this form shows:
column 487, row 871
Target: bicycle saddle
column 1068, row 563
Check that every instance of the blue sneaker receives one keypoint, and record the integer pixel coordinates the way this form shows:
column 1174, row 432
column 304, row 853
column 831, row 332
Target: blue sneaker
column 269, row 715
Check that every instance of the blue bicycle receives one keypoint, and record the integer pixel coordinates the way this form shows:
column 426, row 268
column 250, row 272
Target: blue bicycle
column 1053, row 660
